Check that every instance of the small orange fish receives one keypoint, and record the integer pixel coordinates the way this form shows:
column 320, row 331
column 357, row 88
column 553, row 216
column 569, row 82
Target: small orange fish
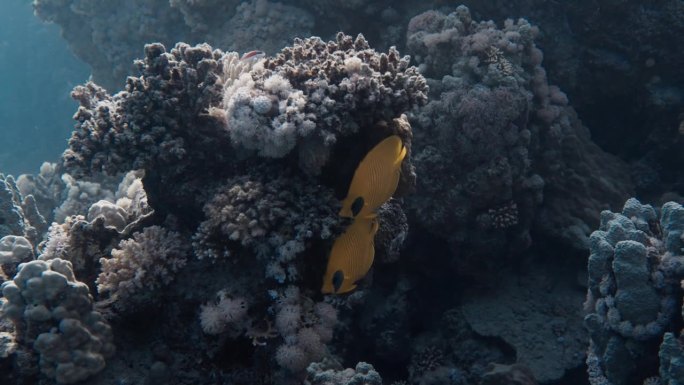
column 252, row 55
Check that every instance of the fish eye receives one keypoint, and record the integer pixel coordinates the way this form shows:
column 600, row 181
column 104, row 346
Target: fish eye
column 337, row 280
column 356, row 206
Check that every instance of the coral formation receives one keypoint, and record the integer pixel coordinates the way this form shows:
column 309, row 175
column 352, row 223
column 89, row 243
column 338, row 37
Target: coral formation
column 497, row 140
column 208, row 258
column 14, row 250
column 635, row 268
column 53, row 313
column 109, row 36
column 141, row 265
column 319, row 91
column 274, row 215
column 330, row 373
column 145, row 127
column 194, row 172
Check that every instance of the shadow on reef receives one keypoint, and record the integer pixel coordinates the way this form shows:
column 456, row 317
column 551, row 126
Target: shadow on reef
column 422, row 322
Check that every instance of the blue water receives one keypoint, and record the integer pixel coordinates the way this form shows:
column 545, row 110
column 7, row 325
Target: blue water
column 37, row 73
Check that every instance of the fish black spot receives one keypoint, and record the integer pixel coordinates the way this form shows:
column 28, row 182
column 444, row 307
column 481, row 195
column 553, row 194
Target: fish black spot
column 356, row 206
column 337, row 279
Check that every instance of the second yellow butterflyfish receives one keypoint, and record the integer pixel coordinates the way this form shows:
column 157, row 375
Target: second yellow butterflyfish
column 351, row 256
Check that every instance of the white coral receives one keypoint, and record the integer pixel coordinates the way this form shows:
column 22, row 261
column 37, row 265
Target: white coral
column 147, row 261
column 228, row 313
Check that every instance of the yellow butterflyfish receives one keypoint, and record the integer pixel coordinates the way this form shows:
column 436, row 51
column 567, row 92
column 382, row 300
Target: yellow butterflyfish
column 375, row 179
column 351, row 256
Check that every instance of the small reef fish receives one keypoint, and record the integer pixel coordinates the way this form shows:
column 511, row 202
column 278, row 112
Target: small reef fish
column 351, row 256
column 374, row 182
column 252, row 55
column 375, row 179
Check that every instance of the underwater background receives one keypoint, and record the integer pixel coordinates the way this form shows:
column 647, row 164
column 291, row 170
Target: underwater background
column 342, row 192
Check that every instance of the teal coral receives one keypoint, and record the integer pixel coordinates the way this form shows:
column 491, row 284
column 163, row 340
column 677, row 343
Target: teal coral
column 635, row 268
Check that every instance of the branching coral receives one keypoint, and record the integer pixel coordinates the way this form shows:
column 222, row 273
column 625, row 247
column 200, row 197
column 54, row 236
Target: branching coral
column 272, row 214
column 141, row 265
column 320, row 91
column 146, row 125
column 84, row 240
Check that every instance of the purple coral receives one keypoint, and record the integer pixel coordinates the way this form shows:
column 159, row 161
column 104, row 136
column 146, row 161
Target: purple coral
column 497, row 140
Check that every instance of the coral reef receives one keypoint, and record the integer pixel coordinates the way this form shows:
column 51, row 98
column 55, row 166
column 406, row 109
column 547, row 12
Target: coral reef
column 145, row 127
column 259, row 24
column 585, row 49
column 273, row 215
column 141, row 265
column 46, row 188
column 14, row 250
column 330, row 373
column 194, row 214
column 319, row 91
column 196, row 174
column 392, row 232
column 109, row 36
column 53, row 313
column 636, row 268
column 497, row 141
